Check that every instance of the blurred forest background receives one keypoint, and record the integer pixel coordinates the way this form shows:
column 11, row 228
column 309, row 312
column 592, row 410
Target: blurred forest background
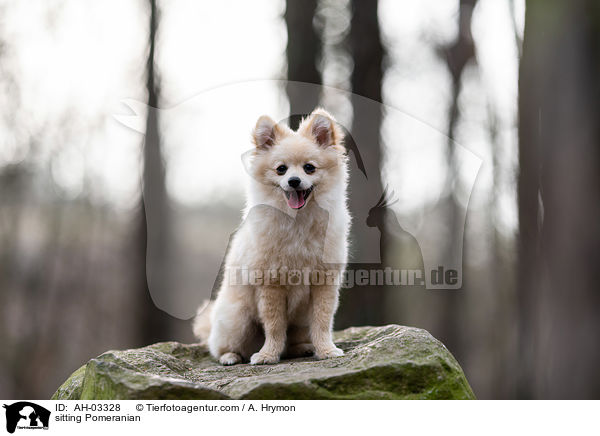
column 513, row 81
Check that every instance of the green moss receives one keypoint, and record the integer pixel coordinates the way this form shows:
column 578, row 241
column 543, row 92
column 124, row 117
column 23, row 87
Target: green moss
column 71, row 389
column 389, row 362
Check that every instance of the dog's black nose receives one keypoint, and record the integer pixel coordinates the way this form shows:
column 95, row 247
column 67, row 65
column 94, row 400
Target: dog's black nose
column 294, row 182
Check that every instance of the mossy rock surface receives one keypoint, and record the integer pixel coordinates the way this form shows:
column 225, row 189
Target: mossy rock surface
column 389, row 362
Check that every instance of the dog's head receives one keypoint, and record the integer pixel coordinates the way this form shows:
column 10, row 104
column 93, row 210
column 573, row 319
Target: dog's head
column 292, row 167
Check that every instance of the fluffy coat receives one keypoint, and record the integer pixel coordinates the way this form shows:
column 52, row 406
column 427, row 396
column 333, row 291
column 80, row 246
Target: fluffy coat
column 296, row 219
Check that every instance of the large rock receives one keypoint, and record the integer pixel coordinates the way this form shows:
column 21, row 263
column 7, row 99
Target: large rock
column 390, row 362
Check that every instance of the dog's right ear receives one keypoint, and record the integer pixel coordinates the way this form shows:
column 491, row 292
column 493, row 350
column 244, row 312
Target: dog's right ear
column 266, row 133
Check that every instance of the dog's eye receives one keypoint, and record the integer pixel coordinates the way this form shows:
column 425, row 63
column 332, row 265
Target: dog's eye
column 309, row 168
column 281, row 169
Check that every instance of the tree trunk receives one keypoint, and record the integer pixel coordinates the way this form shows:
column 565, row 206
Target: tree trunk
column 303, row 52
column 456, row 55
column 153, row 237
column 559, row 193
column 367, row 53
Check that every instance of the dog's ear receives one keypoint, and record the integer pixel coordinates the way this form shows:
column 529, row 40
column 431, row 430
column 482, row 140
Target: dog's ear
column 266, row 133
column 321, row 127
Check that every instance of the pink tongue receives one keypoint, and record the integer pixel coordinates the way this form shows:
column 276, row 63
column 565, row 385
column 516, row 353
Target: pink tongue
column 296, row 199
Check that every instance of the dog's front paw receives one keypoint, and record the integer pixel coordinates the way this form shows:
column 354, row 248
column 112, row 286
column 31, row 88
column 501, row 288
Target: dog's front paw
column 328, row 353
column 263, row 359
column 230, row 359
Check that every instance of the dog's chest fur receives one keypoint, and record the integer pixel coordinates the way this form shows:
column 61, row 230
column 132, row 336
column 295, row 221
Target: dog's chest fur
column 282, row 241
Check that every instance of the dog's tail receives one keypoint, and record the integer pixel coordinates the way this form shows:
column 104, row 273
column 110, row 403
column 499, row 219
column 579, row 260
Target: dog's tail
column 201, row 325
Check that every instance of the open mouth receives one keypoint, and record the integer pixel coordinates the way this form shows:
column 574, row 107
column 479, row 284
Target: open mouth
column 297, row 198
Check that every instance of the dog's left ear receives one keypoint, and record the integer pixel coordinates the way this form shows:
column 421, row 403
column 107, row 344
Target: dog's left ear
column 267, row 132
column 321, row 127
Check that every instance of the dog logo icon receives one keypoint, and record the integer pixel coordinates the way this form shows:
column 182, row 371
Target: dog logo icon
column 26, row 415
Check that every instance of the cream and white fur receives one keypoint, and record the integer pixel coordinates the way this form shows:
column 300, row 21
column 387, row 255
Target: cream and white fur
column 262, row 323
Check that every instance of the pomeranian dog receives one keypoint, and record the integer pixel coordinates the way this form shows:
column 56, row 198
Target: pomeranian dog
column 296, row 220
